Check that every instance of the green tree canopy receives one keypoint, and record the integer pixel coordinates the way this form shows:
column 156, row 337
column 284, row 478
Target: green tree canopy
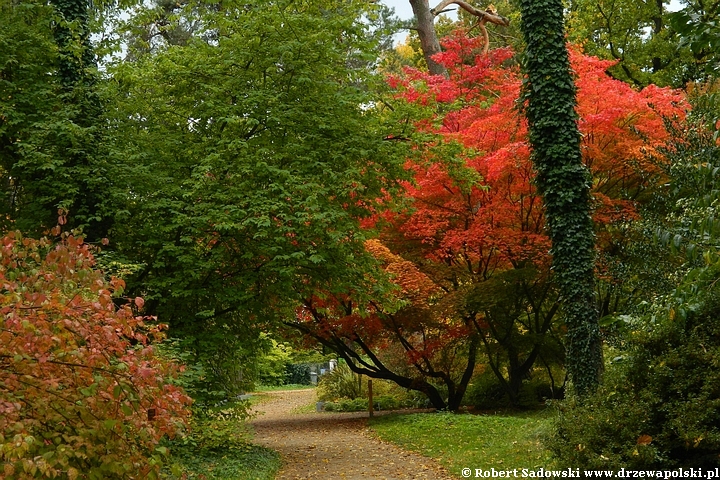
column 250, row 153
column 641, row 37
column 51, row 127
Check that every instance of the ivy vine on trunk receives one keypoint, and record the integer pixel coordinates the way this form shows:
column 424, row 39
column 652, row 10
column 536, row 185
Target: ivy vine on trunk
column 563, row 181
column 85, row 195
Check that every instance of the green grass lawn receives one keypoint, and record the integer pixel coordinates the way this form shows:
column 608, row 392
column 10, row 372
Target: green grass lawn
column 457, row 441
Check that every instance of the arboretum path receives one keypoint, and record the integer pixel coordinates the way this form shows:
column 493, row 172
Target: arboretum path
column 332, row 446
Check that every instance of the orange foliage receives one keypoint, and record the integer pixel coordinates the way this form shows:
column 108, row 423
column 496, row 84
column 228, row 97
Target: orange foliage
column 415, row 318
column 479, row 214
column 498, row 223
column 83, row 394
column 416, row 288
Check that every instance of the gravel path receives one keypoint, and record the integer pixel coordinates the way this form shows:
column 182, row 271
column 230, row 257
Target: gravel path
column 332, row 446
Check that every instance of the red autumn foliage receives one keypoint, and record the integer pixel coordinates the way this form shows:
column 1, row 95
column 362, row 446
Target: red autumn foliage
column 498, row 222
column 406, row 338
column 471, row 257
column 83, row 394
column 479, row 233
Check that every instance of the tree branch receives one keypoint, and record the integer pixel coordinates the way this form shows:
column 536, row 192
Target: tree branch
column 487, row 15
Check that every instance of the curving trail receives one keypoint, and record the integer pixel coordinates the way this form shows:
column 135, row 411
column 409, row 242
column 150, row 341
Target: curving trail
column 332, row 446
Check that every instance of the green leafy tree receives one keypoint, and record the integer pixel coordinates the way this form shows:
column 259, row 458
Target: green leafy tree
column 635, row 34
column 698, row 27
column 646, row 39
column 252, row 152
column 658, row 407
column 27, row 53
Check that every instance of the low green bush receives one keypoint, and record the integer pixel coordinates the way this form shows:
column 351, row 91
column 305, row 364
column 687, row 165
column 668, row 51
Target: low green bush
column 340, row 382
column 250, row 462
column 346, row 405
column 383, row 402
column 342, row 390
column 220, row 429
column 485, row 392
column 218, row 446
column 660, row 405
column 297, row 374
column 386, row 402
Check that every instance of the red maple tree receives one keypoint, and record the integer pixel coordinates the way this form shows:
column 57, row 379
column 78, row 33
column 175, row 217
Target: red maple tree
column 474, row 236
column 402, row 335
column 489, row 236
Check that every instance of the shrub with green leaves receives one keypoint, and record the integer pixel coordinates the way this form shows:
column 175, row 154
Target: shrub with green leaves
column 383, row 402
column 346, row 405
column 218, row 447
column 340, row 382
column 83, row 392
column 272, row 364
column 297, row 374
column 217, row 365
column 485, row 392
column 344, row 391
column 660, row 405
column 249, row 462
column 220, row 429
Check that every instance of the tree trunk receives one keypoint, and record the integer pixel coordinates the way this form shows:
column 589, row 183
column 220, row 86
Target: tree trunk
column 373, row 367
column 428, row 38
column 458, row 393
column 564, row 183
column 77, row 74
column 657, row 19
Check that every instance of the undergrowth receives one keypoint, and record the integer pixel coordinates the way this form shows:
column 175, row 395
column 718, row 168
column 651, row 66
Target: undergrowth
column 218, row 447
column 248, row 462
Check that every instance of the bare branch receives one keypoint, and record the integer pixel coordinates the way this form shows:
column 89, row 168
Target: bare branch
column 489, row 14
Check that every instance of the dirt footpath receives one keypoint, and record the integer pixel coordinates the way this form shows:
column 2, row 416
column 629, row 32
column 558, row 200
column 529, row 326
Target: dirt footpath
column 332, row 446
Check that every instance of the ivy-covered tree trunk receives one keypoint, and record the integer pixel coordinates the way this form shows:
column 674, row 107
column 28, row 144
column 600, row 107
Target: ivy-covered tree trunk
column 72, row 35
column 84, row 187
column 564, row 182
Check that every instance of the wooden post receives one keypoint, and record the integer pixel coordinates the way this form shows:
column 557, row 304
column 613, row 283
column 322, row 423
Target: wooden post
column 370, row 399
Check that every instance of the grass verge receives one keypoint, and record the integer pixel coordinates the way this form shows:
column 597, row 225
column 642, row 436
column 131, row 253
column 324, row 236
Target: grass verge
column 309, row 408
column 252, row 462
column 457, row 441
column 218, row 446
